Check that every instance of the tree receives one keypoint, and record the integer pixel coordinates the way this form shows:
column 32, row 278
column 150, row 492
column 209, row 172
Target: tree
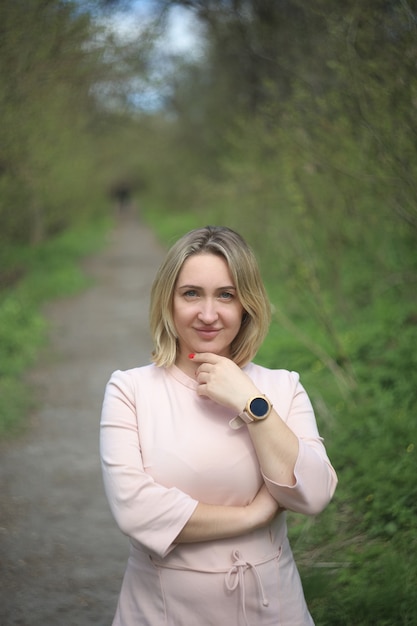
column 48, row 67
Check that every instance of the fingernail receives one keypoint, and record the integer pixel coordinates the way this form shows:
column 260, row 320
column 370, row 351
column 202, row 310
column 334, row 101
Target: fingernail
column 191, row 356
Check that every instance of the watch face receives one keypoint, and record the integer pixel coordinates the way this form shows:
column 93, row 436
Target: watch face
column 259, row 407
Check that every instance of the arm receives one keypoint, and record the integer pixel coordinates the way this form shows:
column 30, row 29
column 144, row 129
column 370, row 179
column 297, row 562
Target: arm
column 209, row 522
column 315, row 478
column 290, row 451
column 147, row 512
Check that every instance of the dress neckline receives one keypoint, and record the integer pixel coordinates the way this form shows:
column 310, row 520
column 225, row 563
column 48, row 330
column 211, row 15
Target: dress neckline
column 182, row 377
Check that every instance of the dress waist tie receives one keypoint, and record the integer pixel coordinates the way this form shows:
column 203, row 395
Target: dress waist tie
column 235, row 578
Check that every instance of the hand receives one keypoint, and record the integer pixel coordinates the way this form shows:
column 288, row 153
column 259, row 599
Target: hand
column 221, row 380
column 263, row 508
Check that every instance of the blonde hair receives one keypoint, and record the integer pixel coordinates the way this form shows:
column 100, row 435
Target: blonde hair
column 244, row 269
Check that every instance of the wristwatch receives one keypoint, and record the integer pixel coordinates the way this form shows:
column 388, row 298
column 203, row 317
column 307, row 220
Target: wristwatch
column 257, row 408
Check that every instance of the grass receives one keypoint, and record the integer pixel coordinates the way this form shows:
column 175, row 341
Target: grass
column 48, row 271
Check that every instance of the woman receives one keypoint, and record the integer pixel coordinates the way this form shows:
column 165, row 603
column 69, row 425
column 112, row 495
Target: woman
column 202, row 451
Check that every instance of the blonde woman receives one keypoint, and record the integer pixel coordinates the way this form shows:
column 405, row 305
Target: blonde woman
column 203, row 451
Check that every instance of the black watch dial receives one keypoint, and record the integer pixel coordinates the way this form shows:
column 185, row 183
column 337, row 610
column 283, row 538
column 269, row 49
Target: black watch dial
column 259, row 407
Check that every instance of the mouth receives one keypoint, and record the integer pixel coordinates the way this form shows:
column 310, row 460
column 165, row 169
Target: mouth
column 207, row 333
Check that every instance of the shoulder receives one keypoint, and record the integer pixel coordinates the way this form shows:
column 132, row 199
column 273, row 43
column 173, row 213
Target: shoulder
column 272, row 376
column 281, row 386
column 129, row 385
column 137, row 375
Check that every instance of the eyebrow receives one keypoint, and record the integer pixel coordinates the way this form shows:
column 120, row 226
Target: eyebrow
column 227, row 287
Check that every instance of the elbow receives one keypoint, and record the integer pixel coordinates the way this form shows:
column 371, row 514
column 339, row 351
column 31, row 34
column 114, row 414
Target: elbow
column 122, row 519
column 316, row 481
column 120, row 504
column 124, row 524
column 309, row 506
column 315, row 506
column 320, row 498
column 310, row 497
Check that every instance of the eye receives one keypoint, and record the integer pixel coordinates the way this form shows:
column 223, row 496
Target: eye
column 226, row 295
column 190, row 293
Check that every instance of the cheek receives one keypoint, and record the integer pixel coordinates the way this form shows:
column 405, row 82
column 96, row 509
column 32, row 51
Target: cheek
column 235, row 317
column 240, row 312
column 182, row 314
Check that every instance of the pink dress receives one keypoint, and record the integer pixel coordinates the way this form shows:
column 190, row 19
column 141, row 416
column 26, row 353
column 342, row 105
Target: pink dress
column 164, row 449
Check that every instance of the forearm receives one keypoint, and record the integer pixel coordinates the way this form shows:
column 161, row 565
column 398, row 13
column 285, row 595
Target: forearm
column 276, row 447
column 210, row 522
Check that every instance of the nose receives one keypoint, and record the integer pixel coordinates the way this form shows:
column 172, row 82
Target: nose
column 208, row 312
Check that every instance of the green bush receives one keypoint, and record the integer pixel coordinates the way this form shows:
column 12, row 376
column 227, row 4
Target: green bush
column 48, row 271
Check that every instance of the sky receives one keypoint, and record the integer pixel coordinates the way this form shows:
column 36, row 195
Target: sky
column 180, row 38
column 182, row 33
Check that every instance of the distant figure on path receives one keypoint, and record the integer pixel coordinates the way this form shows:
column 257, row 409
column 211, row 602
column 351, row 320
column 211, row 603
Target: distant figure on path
column 203, row 451
column 122, row 195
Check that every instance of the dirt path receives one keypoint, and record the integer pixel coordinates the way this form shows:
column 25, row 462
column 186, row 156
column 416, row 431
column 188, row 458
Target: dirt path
column 61, row 555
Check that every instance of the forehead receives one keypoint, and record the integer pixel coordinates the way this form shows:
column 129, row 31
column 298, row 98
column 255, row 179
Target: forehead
column 206, row 267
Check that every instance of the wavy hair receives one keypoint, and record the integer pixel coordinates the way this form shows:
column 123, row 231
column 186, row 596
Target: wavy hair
column 244, row 270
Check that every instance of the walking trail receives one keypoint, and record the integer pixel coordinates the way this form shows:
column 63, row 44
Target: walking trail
column 61, row 556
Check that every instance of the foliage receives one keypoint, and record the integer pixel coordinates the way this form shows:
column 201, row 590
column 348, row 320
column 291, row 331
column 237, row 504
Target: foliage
column 50, row 270
column 297, row 127
column 316, row 166
column 62, row 89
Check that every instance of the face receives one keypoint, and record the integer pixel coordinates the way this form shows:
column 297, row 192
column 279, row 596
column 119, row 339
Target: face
column 207, row 312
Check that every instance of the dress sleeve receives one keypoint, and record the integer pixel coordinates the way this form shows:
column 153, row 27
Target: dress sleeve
column 316, row 479
column 147, row 512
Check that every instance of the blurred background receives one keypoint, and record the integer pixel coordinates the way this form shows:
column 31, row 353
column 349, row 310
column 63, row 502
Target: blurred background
column 293, row 122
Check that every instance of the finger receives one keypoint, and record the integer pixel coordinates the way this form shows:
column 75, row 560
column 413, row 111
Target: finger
column 202, row 377
column 205, row 367
column 204, row 357
column 202, row 390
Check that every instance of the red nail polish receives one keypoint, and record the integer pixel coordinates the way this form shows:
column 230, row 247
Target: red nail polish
column 191, row 356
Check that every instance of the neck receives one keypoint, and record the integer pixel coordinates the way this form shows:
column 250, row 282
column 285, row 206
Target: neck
column 186, row 365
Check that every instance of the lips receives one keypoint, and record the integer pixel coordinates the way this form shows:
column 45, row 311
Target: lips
column 207, row 333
